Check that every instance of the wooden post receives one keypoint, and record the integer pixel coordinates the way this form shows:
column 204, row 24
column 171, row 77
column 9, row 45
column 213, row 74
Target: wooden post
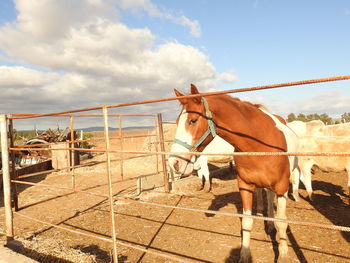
column 110, row 189
column 6, row 178
column 121, row 147
column 72, row 153
column 162, row 148
column 13, row 167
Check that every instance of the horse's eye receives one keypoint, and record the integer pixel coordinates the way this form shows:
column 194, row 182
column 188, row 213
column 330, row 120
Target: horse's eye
column 193, row 121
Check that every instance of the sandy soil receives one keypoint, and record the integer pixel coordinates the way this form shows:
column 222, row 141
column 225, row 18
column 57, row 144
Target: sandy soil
column 194, row 236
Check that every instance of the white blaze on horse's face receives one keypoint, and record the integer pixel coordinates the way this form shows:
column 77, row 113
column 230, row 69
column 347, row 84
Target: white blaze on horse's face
column 181, row 163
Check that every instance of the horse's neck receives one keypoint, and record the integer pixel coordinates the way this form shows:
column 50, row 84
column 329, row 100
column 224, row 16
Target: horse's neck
column 240, row 127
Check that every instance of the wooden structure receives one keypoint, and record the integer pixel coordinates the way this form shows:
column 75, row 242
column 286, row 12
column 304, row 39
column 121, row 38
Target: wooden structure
column 63, row 158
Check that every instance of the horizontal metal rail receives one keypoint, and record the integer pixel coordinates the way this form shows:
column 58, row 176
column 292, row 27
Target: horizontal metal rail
column 83, row 165
column 23, row 115
column 339, row 154
column 126, row 199
column 272, row 86
column 86, row 140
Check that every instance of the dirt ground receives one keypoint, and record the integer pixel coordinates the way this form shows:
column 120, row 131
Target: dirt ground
column 193, row 236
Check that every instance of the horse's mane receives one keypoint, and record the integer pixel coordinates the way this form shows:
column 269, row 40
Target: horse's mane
column 259, row 106
column 249, row 104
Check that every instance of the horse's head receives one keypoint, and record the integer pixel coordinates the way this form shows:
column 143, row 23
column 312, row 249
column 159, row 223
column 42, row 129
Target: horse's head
column 195, row 130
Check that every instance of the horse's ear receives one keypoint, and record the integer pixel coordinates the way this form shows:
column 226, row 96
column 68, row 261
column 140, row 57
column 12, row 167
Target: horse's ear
column 179, row 95
column 194, row 90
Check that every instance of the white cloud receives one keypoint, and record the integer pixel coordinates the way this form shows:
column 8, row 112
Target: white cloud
column 91, row 59
column 20, row 76
column 152, row 10
column 332, row 102
column 51, row 19
column 192, row 24
column 227, row 77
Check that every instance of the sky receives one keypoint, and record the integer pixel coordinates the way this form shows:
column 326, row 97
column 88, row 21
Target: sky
column 63, row 55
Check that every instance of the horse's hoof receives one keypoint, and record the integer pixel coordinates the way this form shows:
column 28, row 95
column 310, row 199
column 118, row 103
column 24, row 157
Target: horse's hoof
column 245, row 256
column 282, row 259
column 311, row 197
column 296, row 196
column 207, row 188
column 245, row 260
column 199, row 188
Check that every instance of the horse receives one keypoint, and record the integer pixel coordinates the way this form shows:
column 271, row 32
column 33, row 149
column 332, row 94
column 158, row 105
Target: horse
column 249, row 128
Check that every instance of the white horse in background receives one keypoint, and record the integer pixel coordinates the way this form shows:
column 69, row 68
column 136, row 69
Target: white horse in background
column 315, row 136
column 216, row 146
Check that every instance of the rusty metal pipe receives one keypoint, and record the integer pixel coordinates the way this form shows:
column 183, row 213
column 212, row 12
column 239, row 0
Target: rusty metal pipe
column 272, row 86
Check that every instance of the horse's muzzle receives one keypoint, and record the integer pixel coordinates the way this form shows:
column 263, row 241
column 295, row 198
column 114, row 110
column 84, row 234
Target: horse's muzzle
column 181, row 165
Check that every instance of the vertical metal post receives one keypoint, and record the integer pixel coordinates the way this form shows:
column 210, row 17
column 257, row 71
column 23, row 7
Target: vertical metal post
column 6, row 178
column 139, row 186
column 109, row 177
column 121, row 147
column 72, row 152
column 162, row 148
column 13, row 167
column 156, row 143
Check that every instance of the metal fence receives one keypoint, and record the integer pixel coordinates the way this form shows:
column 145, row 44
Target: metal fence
column 8, row 148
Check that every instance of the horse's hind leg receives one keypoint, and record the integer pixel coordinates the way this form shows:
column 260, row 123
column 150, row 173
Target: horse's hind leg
column 295, row 178
column 259, row 201
column 270, row 197
column 305, row 176
column 282, row 227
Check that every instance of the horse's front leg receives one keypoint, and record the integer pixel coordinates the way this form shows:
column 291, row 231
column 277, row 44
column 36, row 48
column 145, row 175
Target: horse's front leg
column 246, row 193
column 282, row 228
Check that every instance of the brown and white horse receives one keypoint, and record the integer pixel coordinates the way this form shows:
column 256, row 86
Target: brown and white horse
column 249, row 128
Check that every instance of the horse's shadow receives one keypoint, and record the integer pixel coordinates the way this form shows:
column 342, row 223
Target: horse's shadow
column 223, row 200
column 331, row 205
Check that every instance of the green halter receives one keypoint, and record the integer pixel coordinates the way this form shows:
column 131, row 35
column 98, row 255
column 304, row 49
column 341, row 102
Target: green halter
column 211, row 130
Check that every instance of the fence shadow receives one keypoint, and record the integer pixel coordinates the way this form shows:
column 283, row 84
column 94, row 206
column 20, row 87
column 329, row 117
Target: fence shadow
column 22, row 187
